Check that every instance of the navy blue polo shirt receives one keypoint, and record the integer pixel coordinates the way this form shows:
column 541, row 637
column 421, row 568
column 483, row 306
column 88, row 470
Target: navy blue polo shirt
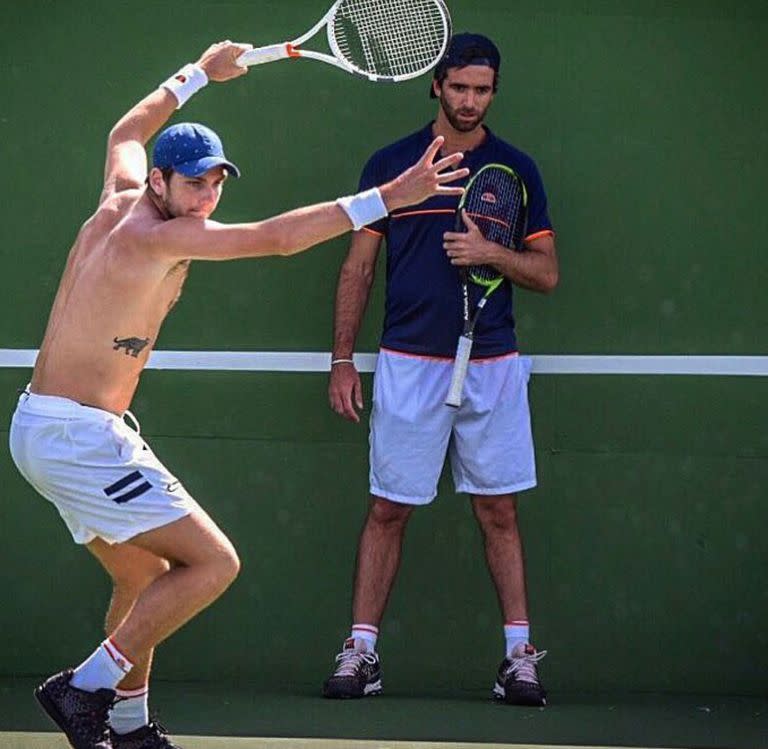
column 423, row 309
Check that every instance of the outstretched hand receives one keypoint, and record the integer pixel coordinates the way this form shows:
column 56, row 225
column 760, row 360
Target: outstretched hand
column 425, row 178
column 219, row 61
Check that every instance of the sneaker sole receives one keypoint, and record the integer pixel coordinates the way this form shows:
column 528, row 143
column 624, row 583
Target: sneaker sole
column 53, row 712
column 499, row 695
column 370, row 690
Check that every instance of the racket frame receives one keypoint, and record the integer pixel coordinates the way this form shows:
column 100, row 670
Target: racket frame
column 283, row 50
column 464, row 346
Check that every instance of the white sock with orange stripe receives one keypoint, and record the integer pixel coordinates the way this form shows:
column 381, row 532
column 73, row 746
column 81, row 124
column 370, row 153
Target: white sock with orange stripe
column 516, row 632
column 104, row 669
column 131, row 710
column 368, row 633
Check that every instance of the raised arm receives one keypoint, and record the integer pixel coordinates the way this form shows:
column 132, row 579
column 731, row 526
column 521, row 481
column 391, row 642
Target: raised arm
column 126, row 163
column 298, row 230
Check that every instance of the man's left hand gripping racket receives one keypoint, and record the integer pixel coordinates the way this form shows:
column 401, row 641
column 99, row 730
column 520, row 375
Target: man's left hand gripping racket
column 497, row 201
column 382, row 40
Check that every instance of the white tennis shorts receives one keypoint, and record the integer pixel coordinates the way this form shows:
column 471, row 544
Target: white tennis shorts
column 99, row 473
column 489, row 436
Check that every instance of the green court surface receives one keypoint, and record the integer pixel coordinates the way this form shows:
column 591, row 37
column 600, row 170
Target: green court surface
column 49, row 741
column 208, row 715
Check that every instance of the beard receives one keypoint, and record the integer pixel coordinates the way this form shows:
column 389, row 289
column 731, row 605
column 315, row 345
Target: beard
column 473, row 119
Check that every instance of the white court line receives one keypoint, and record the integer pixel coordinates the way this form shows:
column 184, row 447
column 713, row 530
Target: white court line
column 319, row 361
column 29, row 740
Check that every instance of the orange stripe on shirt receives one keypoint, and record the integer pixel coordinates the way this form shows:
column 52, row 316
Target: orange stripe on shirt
column 430, row 357
column 422, row 213
column 408, row 355
column 542, row 233
column 535, row 235
column 489, row 218
column 490, row 359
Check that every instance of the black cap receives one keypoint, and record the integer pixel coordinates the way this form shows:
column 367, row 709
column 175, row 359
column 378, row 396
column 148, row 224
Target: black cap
column 467, row 49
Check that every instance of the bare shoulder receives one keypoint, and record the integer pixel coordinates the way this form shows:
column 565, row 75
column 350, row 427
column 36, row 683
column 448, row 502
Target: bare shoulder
column 114, row 209
column 133, row 229
column 122, row 202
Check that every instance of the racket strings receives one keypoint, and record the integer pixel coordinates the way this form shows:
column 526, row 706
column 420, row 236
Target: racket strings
column 496, row 203
column 390, row 37
column 394, row 48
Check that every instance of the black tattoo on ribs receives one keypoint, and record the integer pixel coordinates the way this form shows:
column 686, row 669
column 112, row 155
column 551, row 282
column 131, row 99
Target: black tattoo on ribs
column 132, row 346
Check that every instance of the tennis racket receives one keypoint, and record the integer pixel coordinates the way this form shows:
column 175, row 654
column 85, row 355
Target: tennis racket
column 497, row 201
column 382, row 40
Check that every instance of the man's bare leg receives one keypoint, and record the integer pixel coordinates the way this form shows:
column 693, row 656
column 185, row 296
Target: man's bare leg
column 357, row 672
column 132, row 570
column 204, row 564
column 497, row 517
column 517, row 680
column 378, row 558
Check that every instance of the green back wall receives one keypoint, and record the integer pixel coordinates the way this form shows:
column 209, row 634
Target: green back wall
column 649, row 122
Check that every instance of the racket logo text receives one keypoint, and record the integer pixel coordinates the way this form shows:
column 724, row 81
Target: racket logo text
column 488, row 197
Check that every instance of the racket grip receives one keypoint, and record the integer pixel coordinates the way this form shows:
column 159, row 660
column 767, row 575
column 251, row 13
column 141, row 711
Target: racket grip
column 460, row 365
column 260, row 55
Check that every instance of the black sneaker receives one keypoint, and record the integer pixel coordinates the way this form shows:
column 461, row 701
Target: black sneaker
column 152, row 736
column 517, row 682
column 357, row 674
column 81, row 715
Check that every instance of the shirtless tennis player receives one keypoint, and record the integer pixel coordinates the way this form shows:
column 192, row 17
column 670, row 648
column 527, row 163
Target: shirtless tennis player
column 166, row 557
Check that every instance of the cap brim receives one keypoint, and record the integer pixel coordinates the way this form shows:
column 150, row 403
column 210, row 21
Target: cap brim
column 201, row 166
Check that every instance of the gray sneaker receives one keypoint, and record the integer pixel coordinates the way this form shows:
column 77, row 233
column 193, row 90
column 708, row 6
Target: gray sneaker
column 517, row 682
column 82, row 716
column 357, row 673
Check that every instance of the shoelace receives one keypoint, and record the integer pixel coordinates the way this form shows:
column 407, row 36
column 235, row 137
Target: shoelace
column 350, row 660
column 523, row 667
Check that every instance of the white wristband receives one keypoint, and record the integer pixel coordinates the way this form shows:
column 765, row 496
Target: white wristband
column 188, row 81
column 364, row 208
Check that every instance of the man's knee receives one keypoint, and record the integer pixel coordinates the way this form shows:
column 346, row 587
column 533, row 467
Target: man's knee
column 230, row 566
column 223, row 566
column 387, row 514
column 496, row 514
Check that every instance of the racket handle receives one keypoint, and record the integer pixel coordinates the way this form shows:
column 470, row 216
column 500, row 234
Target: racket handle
column 460, row 365
column 260, row 55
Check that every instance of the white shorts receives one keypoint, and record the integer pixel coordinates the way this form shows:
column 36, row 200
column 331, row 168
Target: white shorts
column 99, row 473
column 489, row 435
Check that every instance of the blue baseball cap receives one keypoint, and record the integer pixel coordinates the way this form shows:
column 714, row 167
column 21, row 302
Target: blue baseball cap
column 467, row 49
column 191, row 149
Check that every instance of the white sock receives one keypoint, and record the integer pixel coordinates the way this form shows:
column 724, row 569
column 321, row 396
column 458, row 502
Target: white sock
column 368, row 633
column 130, row 711
column 515, row 633
column 104, row 669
